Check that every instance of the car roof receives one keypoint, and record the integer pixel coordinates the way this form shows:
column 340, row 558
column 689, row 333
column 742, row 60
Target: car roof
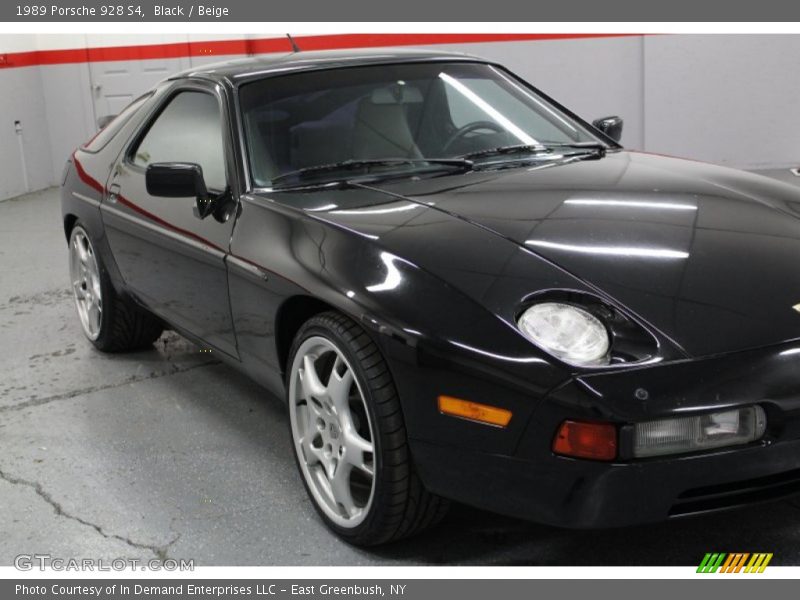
column 240, row 70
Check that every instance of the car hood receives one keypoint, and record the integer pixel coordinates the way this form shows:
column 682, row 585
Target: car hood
column 707, row 255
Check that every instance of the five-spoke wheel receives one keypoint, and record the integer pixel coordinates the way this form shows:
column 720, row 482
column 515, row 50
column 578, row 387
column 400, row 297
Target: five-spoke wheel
column 85, row 278
column 349, row 435
column 113, row 323
column 332, row 431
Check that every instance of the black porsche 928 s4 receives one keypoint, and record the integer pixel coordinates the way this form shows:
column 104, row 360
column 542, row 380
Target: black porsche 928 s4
column 463, row 290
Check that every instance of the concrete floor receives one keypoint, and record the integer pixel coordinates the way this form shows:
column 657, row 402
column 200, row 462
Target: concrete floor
column 165, row 452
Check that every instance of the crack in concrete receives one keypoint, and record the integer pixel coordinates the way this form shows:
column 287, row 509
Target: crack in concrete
column 175, row 369
column 161, row 552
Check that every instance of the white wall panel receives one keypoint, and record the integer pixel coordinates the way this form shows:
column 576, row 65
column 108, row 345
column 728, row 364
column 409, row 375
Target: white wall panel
column 70, row 115
column 22, row 99
column 724, row 99
column 17, row 43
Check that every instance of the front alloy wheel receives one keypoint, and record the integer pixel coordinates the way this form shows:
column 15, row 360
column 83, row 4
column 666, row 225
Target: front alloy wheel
column 349, row 435
column 332, row 432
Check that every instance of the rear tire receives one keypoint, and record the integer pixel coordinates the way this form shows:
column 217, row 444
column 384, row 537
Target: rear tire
column 112, row 323
column 360, row 430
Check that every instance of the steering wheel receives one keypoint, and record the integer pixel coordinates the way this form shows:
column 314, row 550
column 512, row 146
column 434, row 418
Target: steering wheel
column 462, row 132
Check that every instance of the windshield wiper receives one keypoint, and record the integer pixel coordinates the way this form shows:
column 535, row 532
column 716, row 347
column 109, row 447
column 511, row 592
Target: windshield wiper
column 545, row 148
column 506, row 150
column 368, row 164
column 591, row 146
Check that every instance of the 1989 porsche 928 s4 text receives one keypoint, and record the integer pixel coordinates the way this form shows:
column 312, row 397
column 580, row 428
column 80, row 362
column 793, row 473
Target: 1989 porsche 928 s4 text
column 463, row 290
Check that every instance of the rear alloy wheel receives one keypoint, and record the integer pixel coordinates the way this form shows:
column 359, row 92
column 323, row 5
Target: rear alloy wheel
column 85, row 277
column 349, row 437
column 112, row 323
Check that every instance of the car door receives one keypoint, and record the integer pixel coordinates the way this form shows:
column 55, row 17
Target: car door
column 171, row 259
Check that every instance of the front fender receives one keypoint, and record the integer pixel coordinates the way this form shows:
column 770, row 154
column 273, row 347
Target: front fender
column 437, row 339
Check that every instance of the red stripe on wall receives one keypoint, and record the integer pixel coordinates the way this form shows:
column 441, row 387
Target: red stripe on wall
column 270, row 45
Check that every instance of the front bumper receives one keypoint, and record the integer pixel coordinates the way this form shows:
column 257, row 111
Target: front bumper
column 581, row 494
column 533, row 483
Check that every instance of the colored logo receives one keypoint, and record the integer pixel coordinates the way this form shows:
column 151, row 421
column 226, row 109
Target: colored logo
column 735, row 562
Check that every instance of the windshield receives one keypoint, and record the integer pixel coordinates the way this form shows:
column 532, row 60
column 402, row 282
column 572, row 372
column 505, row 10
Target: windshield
column 307, row 123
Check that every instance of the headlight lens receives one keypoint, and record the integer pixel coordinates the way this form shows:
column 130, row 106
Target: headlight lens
column 568, row 332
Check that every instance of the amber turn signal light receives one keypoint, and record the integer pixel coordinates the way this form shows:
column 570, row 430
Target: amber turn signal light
column 482, row 413
column 579, row 439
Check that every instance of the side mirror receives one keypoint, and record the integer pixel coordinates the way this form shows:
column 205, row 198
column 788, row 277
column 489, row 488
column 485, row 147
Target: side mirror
column 611, row 126
column 180, row 180
column 175, row 180
column 105, row 120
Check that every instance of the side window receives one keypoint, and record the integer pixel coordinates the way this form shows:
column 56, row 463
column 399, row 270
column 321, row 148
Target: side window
column 189, row 130
column 102, row 137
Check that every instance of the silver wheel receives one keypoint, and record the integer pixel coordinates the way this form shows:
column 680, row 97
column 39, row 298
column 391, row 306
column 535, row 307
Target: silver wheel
column 332, row 432
column 85, row 278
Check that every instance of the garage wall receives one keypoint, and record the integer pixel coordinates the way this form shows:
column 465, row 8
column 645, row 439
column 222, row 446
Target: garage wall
column 70, row 116
column 724, row 98
column 728, row 99
column 24, row 155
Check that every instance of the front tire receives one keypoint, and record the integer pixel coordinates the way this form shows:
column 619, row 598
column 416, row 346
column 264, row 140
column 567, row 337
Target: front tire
column 349, row 436
column 111, row 322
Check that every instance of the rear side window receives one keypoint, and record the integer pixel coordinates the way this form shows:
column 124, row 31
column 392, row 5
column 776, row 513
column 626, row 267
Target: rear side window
column 188, row 130
column 102, row 137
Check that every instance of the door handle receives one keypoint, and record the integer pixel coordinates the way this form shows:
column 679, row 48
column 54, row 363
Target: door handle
column 113, row 193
